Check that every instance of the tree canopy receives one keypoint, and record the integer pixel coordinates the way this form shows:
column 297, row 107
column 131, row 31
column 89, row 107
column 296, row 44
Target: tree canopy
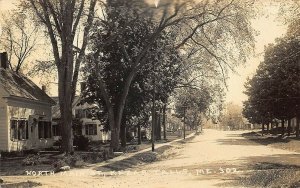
column 137, row 33
column 274, row 90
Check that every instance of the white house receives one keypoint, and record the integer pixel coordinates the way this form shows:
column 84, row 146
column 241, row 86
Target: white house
column 84, row 113
column 25, row 112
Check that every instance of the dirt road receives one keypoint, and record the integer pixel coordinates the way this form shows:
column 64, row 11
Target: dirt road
column 212, row 159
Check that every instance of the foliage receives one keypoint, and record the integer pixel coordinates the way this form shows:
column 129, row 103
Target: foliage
column 31, row 160
column 191, row 103
column 233, row 116
column 74, row 160
column 7, row 154
column 111, row 63
column 274, row 90
column 81, row 142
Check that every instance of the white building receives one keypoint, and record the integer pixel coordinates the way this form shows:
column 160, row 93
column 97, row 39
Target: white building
column 89, row 125
column 25, row 112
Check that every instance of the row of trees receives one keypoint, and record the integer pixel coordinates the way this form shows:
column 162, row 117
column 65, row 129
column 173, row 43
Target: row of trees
column 274, row 90
column 232, row 118
column 134, row 45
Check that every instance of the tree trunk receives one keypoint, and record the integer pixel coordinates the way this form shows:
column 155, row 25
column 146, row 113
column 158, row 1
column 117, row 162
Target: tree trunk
column 289, row 127
column 65, row 22
column 153, row 125
column 65, row 102
column 268, row 128
column 297, row 126
column 158, row 125
column 262, row 129
column 139, row 135
column 282, row 127
column 115, row 136
column 123, row 135
column 117, row 117
column 201, row 127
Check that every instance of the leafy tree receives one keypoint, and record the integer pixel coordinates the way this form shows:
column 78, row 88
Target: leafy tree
column 190, row 103
column 208, row 26
column 258, row 108
column 109, row 62
column 61, row 20
column 274, row 90
column 233, row 116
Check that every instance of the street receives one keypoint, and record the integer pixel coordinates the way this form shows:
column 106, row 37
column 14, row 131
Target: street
column 211, row 159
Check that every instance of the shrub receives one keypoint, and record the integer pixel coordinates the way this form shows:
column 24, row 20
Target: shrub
column 70, row 160
column 32, row 160
column 5, row 154
column 58, row 164
column 81, row 142
column 107, row 154
column 129, row 137
column 74, row 160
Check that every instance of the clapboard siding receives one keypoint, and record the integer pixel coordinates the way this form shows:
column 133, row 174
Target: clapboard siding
column 23, row 109
column 3, row 125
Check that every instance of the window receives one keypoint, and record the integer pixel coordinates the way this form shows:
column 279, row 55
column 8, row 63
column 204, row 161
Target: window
column 18, row 129
column 23, row 129
column 91, row 112
column 77, row 113
column 56, row 130
column 13, row 129
column 80, row 113
column 44, row 128
column 91, row 129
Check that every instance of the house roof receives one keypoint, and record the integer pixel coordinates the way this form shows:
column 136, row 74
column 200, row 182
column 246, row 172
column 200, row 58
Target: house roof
column 77, row 104
column 17, row 85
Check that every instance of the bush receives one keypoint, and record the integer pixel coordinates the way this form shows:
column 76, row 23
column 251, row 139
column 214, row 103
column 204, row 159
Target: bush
column 74, row 160
column 81, row 142
column 59, row 163
column 95, row 157
column 5, row 154
column 129, row 137
column 70, row 160
column 107, row 154
column 32, row 160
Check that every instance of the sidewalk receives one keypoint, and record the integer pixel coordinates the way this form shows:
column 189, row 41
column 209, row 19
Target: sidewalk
column 127, row 156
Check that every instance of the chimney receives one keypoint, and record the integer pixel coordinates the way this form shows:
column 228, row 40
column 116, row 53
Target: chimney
column 44, row 88
column 4, row 60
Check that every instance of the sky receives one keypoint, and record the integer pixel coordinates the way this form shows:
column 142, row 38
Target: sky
column 268, row 28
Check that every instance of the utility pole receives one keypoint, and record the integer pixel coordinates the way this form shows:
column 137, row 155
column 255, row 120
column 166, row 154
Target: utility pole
column 164, row 121
column 153, row 116
column 153, row 110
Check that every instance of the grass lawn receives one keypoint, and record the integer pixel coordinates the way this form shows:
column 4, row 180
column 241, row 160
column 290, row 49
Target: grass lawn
column 287, row 143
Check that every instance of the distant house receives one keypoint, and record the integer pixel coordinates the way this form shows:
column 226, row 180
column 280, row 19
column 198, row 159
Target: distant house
column 25, row 112
column 85, row 115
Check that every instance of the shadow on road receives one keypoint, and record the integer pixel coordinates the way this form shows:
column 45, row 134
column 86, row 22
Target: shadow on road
column 144, row 158
column 137, row 159
column 252, row 138
column 233, row 141
column 268, row 171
